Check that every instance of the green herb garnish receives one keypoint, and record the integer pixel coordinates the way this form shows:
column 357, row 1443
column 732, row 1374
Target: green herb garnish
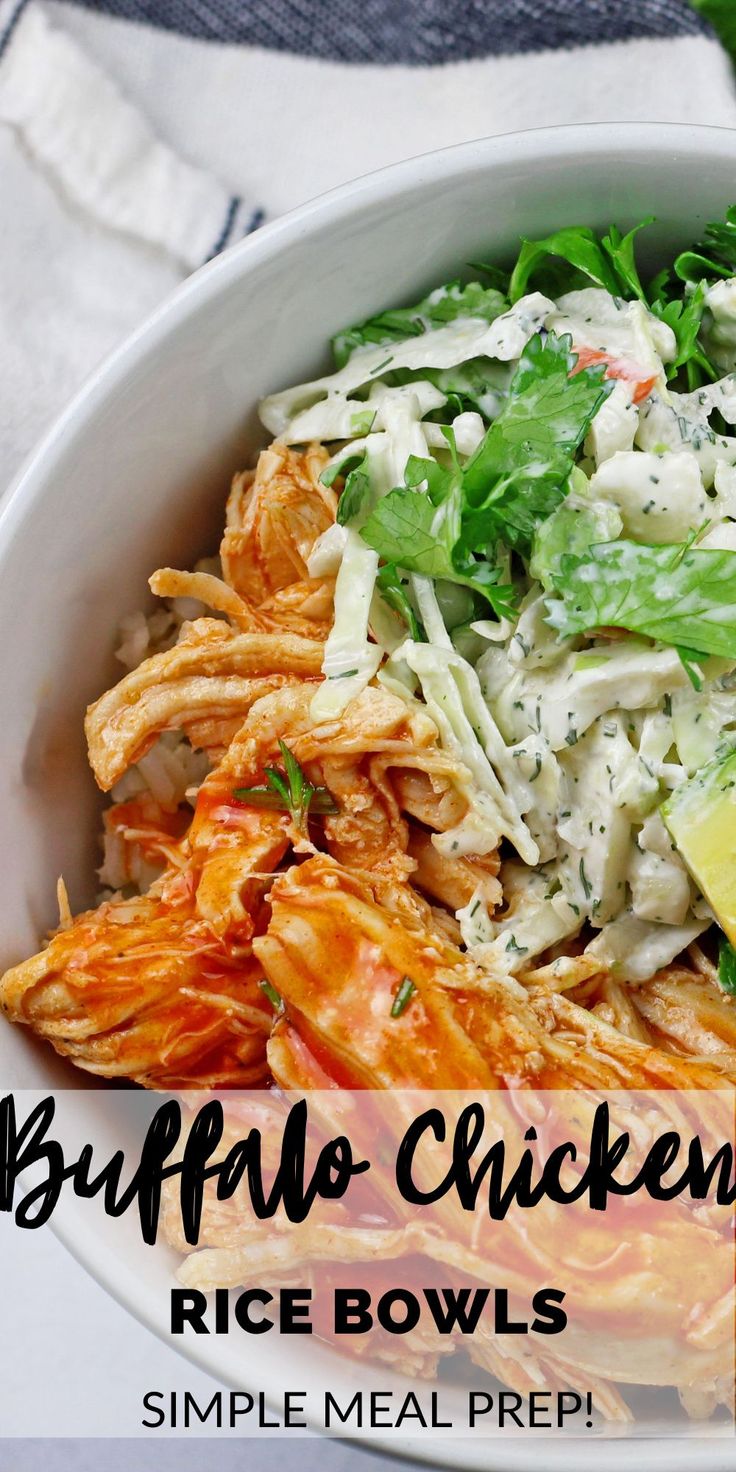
column 513, row 945
column 727, row 966
column 577, row 247
column 341, row 467
column 714, row 257
column 677, row 594
column 277, row 1001
column 355, row 493
column 403, row 997
column 445, row 521
column 684, row 316
column 584, row 880
column 288, row 791
column 573, row 256
column 395, row 595
column 690, row 660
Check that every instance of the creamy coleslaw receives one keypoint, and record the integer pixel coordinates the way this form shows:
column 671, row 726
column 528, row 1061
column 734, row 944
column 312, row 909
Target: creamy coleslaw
column 536, row 538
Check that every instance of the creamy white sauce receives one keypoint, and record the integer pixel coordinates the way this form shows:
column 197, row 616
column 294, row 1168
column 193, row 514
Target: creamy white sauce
column 674, row 423
column 719, row 322
column 620, row 329
column 614, row 425
column 661, row 498
column 443, row 347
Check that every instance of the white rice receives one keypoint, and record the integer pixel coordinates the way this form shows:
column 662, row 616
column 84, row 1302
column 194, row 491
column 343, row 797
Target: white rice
column 141, row 635
column 171, row 771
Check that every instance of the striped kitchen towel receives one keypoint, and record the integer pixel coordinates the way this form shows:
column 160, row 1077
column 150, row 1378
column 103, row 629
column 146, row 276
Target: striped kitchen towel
column 140, row 137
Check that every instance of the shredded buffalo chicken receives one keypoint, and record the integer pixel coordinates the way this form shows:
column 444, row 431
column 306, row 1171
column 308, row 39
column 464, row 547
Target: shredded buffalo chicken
column 271, row 949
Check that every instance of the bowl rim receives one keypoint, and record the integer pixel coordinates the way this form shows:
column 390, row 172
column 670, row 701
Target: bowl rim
column 274, row 237
column 36, row 472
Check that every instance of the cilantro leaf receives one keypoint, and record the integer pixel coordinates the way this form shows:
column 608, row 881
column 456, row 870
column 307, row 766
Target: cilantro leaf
column 395, row 595
column 727, row 966
column 546, row 409
column 471, row 300
column 712, row 258
column 482, row 576
column 609, row 262
column 703, row 263
column 341, row 466
column 354, row 495
column 578, row 247
column 518, row 474
column 446, row 521
column 441, row 306
column 570, row 529
column 522, row 494
column 684, row 315
column 677, row 594
column 620, row 250
column 408, row 529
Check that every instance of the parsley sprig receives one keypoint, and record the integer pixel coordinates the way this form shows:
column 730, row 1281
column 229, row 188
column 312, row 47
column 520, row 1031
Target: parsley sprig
column 288, row 791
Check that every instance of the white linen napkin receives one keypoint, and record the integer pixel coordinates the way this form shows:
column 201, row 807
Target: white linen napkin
column 129, row 154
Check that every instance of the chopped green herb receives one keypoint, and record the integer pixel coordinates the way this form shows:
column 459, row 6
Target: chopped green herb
column 512, row 945
column 288, row 791
column 274, row 998
column 727, row 967
column 584, row 880
column 403, row 997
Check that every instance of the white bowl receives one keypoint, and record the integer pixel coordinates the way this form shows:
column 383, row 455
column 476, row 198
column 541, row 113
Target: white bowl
column 134, row 476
